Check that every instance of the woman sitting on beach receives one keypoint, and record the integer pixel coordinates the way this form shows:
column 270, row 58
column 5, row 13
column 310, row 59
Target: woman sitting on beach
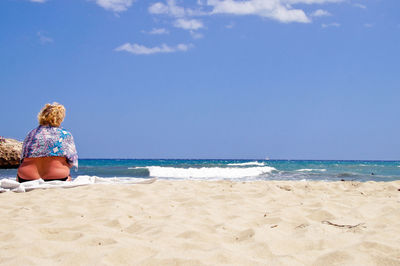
column 48, row 151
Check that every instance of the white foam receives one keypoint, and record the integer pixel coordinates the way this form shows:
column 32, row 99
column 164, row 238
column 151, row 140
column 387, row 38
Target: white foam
column 310, row 170
column 247, row 164
column 208, row 172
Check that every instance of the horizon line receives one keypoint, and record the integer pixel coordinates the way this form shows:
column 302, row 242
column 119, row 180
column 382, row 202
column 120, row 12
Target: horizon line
column 221, row 159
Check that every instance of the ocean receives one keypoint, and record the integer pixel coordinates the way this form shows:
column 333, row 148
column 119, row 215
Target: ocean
column 237, row 170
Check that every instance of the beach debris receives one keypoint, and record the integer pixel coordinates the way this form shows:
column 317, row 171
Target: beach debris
column 273, row 226
column 287, row 188
column 302, row 226
column 342, row 225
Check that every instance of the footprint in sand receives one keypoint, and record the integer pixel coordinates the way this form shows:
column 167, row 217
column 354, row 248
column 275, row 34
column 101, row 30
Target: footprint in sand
column 113, row 224
column 7, row 236
column 60, row 234
column 320, row 215
column 334, row 258
column 245, row 235
column 192, row 235
column 272, row 220
column 134, row 228
column 383, row 260
column 97, row 241
column 379, row 249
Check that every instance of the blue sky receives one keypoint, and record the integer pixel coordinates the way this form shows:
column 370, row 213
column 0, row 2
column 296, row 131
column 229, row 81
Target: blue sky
column 288, row 79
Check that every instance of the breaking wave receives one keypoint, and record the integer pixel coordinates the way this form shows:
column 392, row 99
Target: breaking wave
column 208, row 172
column 311, row 170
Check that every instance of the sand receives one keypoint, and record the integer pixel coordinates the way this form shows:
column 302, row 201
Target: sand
column 204, row 223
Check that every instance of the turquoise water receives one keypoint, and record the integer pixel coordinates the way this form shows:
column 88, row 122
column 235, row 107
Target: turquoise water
column 240, row 170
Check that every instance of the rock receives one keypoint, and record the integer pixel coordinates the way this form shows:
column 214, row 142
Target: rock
column 10, row 153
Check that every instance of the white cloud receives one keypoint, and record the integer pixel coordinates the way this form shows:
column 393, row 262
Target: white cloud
column 44, row 39
column 188, row 24
column 334, row 24
column 280, row 10
column 196, row 35
column 273, row 9
column 38, row 1
column 143, row 50
column 115, row 5
column 158, row 31
column 360, row 6
column 172, row 9
column 320, row 13
column 309, row 2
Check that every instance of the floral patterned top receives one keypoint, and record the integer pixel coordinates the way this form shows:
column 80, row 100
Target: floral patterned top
column 47, row 141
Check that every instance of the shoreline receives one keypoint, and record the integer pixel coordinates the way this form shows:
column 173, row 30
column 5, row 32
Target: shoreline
column 240, row 170
column 204, row 223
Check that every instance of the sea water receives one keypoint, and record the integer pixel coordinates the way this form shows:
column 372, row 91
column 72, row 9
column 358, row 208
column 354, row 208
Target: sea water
column 239, row 170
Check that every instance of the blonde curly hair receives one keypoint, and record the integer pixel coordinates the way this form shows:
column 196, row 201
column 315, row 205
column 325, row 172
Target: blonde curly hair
column 51, row 115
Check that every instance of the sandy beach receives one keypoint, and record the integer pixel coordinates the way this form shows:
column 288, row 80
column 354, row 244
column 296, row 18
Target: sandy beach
column 204, row 223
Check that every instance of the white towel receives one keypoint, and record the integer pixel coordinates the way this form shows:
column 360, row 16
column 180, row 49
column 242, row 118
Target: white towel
column 84, row 180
